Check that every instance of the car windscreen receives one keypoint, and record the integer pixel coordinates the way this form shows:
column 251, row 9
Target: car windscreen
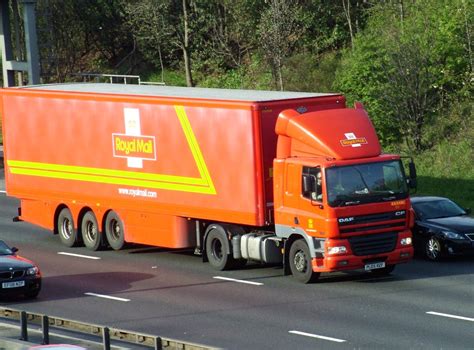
column 365, row 183
column 4, row 249
column 437, row 209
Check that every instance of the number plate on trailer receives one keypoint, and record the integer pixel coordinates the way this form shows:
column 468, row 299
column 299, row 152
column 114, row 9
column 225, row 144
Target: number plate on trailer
column 15, row 284
column 374, row 266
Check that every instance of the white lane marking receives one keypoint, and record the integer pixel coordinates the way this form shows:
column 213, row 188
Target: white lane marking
column 106, row 297
column 80, row 256
column 450, row 316
column 1, row 191
column 238, row 281
column 317, row 336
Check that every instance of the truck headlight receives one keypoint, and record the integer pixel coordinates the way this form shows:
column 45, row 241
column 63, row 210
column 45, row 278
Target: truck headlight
column 453, row 235
column 406, row 241
column 337, row 250
column 32, row 271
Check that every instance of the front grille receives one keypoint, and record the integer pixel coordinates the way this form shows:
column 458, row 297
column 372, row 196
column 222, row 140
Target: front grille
column 394, row 220
column 12, row 274
column 373, row 244
column 470, row 236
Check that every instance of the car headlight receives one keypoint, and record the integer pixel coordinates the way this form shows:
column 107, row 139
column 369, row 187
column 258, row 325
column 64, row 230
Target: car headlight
column 32, row 271
column 406, row 241
column 453, row 235
column 337, row 250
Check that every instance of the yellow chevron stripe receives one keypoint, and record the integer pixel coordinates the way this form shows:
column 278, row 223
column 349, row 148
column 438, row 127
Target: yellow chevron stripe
column 203, row 184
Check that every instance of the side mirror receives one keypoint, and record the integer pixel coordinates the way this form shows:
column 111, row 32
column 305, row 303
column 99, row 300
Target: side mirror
column 307, row 183
column 14, row 249
column 468, row 211
column 411, row 181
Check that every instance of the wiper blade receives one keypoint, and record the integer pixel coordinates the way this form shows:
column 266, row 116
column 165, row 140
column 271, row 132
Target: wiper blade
column 391, row 198
column 351, row 203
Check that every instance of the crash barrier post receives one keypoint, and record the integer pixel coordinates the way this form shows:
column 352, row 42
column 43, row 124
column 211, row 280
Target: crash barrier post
column 158, row 343
column 24, row 326
column 106, row 338
column 45, row 329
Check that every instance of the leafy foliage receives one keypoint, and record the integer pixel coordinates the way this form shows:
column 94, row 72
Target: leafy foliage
column 409, row 62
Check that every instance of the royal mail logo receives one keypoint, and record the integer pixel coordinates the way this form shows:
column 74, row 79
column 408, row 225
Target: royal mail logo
column 126, row 146
column 353, row 141
column 133, row 145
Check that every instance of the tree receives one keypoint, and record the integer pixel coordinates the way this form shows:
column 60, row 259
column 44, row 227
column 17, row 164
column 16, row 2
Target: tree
column 279, row 30
column 158, row 24
column 406, row 67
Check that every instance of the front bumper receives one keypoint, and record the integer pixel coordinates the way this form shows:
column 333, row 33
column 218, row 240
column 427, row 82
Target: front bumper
column 457, row 248
column 397, row 255
column 31, row 286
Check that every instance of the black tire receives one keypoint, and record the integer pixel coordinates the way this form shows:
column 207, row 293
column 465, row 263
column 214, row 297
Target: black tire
column 217, row 247
column 114, row 231
column 387, row 270
column 433, row 249
column 91, row 235
column 32, row 295
column 66, row 231
column 300, row 262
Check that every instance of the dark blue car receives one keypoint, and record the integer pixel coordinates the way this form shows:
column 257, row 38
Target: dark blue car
column 18, row 276
column 442, row 228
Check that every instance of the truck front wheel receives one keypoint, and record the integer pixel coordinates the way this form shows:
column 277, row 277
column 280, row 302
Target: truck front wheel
column 67, row 232
column 114, row 231
column 217, row 247
column 90, row 232
column 300, row 262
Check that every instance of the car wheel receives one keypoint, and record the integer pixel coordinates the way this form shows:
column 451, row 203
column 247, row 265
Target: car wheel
column 90, row 232
column 114, row 231
column 433, row 250
column 67, row 232
column 32, row 295
column 300, row 262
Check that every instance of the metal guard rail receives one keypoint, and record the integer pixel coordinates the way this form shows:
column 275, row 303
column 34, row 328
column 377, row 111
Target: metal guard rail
column 107, row 333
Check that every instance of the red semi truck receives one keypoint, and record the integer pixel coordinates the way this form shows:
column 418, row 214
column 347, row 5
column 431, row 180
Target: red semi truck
column 274, row 177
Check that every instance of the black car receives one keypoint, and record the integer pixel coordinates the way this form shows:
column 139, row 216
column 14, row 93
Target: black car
column 442, row 228
column 18, row 276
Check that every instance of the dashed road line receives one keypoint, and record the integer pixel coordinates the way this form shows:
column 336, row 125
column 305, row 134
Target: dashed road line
column 80, row 256
column 317, row 336
column 450, row 316
column 238, row 281
column 107, row 297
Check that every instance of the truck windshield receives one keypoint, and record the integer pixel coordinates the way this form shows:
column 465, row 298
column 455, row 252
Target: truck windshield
column 365, row 183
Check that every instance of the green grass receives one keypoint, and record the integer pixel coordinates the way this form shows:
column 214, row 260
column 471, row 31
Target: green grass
column 448, row 171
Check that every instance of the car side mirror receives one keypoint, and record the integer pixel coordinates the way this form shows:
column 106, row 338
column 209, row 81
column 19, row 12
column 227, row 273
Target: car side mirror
column 14, row 249
column 468, row 211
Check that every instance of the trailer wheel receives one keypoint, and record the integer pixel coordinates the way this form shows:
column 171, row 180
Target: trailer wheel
column 300, row 262
column 114, row 231
column 217, row 248
column 65, row 226
column 90, row 232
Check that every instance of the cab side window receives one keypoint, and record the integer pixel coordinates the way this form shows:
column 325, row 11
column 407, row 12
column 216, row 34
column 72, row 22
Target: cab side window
column 312, row 185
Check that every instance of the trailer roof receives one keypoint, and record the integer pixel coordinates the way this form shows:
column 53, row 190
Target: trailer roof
column 184, row 92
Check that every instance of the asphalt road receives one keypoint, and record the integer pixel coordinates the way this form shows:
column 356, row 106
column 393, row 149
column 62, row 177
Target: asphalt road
column 423, row 305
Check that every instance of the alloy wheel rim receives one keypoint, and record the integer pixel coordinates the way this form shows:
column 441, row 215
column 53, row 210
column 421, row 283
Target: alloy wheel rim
column 433, row 248
column 66, row 228
column 300, row 261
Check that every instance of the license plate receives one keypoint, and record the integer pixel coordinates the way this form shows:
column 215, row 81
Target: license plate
column 374, row 266
column 15, row 284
